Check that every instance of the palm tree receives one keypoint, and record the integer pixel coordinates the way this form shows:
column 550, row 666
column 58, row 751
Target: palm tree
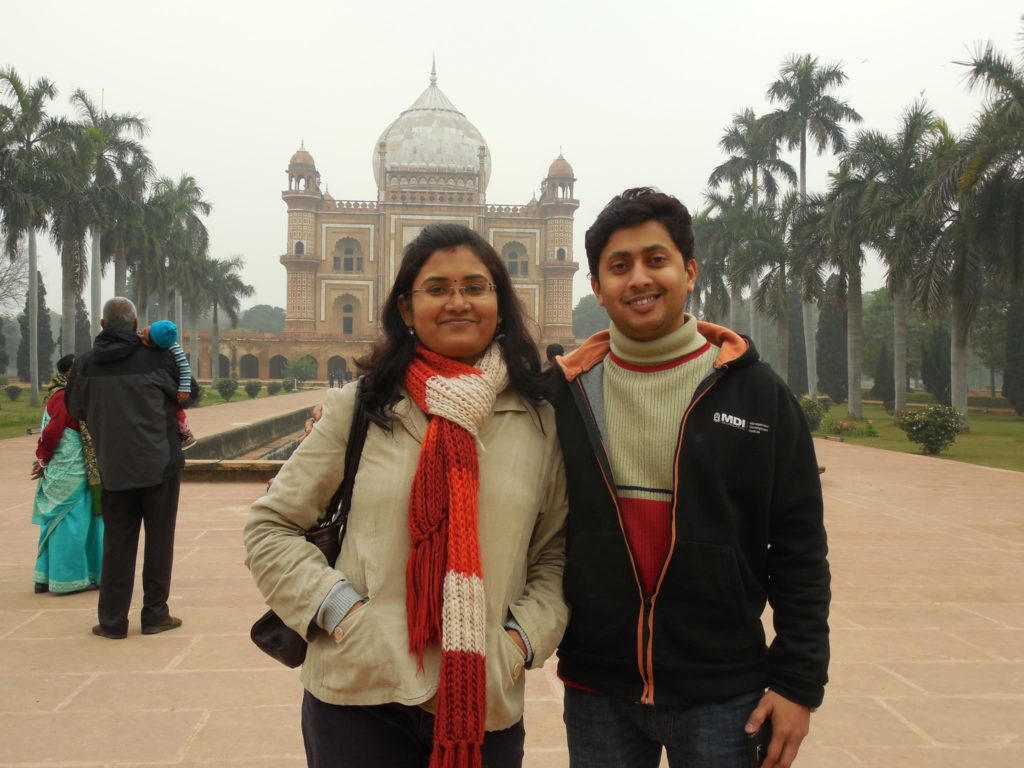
column 74, row 207
column 893, row 173
column 225, row 290
column 28, row 131
column 978, row 192
column 804, row 88
column 845, row 229
column 766, row 256
column 754, row 153
column 169, row 236
column 710, row 298
column 116, row 155
column 727, row 233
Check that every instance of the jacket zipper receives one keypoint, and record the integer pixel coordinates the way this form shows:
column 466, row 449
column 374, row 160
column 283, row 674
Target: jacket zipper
column 647, row 672
column 645, row 602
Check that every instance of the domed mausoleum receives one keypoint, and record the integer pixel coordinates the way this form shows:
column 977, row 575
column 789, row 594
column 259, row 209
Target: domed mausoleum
column 431, row 164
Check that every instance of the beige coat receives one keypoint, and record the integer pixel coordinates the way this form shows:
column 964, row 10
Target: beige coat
column 522, row 549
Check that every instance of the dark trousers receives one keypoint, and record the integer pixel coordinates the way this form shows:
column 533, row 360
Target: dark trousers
column 388, row 736
column 124, row 512
column 606, row 733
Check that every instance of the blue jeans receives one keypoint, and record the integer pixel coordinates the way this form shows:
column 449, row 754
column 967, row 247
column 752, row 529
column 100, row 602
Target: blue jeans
column 607, row 733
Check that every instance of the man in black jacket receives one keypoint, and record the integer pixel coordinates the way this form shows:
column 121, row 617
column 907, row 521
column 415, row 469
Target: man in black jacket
column 694, row 499
column 126, row 392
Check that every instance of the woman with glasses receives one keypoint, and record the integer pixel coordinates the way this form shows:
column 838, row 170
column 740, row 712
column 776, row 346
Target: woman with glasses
column 449, row 580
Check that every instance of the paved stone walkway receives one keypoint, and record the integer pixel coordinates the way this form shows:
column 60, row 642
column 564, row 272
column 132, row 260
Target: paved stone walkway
column 928, row 632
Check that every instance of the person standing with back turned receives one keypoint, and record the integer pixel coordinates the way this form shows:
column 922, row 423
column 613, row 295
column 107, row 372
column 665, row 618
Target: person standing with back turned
column 694, row 499
column 127, row 393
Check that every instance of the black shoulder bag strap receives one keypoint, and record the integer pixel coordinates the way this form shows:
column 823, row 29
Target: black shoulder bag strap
column 338, row 508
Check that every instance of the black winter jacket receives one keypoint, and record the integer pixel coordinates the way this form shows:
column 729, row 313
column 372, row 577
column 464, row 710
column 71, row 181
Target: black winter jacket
column 747, row 528
column 127, row 393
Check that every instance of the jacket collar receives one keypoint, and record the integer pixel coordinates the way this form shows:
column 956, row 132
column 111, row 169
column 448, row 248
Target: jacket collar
column 732, row 348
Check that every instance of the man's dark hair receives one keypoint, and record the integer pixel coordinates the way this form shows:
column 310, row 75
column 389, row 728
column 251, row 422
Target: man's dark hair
column 65, row 363
column 632, row 208
column 387, row 362
column 553, row 351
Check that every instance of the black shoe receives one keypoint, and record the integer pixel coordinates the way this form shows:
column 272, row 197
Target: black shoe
column 171, row 622
column 40, row 588
column 99, row 631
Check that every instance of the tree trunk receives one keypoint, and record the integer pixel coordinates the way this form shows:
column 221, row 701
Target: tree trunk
column 735, row 300
column 810, row 346
column 120, row 273
column 95, row 284
column 782, row 330
column 33, row 320
column 695, row 304
column 193, row 345
column 899, row 343
column 214, row 348
column 854, row 337
column 753, row 316
column 959, row 335
column 67, row 308
column 179, row 315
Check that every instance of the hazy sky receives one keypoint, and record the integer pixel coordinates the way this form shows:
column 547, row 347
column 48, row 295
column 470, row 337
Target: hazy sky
column 633, row 93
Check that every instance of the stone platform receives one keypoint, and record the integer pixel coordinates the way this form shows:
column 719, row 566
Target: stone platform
column 927, row 630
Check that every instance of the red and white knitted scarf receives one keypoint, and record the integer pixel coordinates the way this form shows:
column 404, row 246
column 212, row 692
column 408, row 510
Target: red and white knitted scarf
column 444, row 580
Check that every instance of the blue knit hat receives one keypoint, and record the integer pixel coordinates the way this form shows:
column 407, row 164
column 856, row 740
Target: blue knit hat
column 163, row 333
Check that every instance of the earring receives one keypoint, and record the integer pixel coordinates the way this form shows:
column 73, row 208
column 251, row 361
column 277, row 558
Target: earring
column 412, row 331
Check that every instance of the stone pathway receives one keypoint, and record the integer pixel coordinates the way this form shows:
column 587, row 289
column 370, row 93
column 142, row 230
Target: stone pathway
column 928, row 631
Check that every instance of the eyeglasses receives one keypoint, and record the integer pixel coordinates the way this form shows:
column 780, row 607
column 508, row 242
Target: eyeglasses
column 446, row 292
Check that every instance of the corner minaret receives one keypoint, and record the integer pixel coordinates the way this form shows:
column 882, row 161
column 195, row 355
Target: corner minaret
column 558, row 205
column 301, row 257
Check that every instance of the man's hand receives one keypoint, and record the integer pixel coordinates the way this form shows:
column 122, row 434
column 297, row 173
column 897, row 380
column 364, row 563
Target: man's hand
column 790, row 723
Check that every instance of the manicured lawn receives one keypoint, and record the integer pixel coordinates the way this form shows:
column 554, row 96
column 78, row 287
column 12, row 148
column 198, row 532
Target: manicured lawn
column 994, row 440
column 18, row 415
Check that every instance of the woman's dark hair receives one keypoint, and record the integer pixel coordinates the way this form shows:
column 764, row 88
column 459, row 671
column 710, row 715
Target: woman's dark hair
column 65, row 363
column 632, row 208
column 386, row 363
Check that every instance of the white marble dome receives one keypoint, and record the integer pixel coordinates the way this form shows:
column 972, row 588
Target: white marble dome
column 432, row 135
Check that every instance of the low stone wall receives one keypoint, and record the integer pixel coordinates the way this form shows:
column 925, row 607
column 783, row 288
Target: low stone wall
column 240, row 440
column 229, row 470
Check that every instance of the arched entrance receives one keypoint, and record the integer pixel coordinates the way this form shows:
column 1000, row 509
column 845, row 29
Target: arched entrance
column 277, row 366
column 249, row 367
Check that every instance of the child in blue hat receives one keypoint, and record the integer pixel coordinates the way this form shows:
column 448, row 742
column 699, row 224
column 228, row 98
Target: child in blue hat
column 163, row 334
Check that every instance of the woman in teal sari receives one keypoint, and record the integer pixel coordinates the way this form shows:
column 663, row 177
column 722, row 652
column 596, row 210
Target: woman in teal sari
column 70, row 551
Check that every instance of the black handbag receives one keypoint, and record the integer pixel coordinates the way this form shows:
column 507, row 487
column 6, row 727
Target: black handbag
column 269, row 633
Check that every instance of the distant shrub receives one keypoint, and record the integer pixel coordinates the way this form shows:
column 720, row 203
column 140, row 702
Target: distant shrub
column 814, row 411
column 13, row 392
column 933, row 427
column 288, row 384
column 273, row 387
column 252, row 388
column 848, row 427
column 227, row 388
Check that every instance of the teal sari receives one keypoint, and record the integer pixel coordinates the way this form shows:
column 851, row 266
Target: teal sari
column 70, row 551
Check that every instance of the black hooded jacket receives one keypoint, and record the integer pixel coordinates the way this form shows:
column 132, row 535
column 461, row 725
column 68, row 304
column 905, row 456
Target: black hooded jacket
column 127, row 393
column 747, row 527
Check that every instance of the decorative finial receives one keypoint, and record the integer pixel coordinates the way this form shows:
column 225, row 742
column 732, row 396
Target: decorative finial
column 433, row 70
column 302, row 143
column 560, row 150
